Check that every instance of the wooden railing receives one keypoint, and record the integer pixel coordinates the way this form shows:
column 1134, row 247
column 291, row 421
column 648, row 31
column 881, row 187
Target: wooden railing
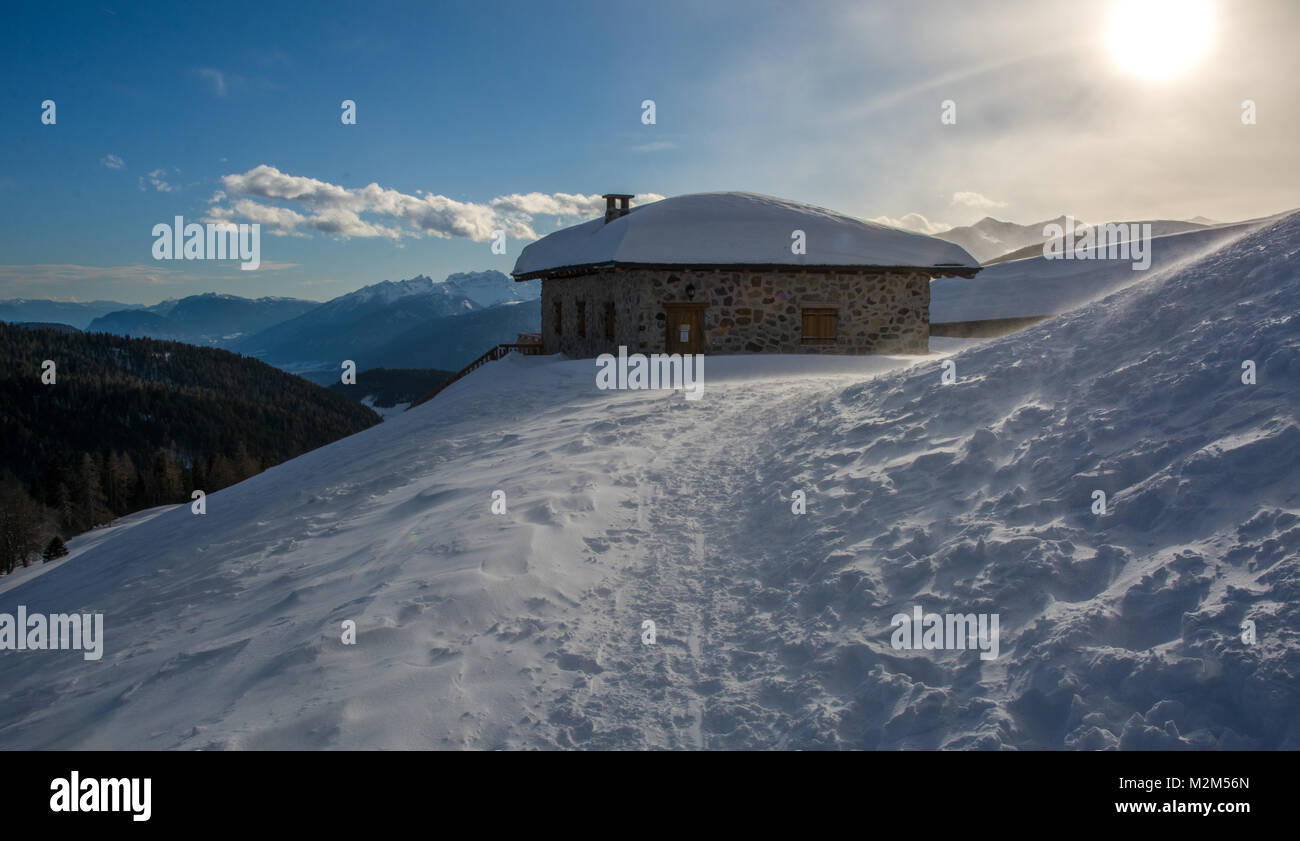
column 528, row 349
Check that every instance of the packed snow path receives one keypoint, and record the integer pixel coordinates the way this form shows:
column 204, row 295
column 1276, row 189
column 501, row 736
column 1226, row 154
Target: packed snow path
column 773, row 629
column 691, row 557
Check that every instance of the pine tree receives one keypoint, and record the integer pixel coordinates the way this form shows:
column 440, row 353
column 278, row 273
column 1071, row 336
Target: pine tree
column 91, row 503
column 197, row 477
column 20, row 526
column 54, row 549
column 112, row 470
column 245, row 464
column 126, row 480
column 165, row 478
column 221, row 474
column 64, row 510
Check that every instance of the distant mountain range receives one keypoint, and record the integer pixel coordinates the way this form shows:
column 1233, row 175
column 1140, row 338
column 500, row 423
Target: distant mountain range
column 992, row 240
column 416, row 323
column 355, row 326
column 452, row 343
column 1159, row 228
column 211, row 319
column 46, row 325
column 448, row 343
column 77, row 314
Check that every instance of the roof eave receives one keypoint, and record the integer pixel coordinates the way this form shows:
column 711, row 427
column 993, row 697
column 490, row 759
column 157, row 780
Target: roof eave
column 935, row 271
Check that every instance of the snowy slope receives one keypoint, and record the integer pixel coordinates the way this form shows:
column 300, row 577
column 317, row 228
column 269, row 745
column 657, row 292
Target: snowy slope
column 223, row 630
column 523, row 629
column 978, row 494
column 729, row 228
column 1039, row 286
column 79, row 544
column 384, row 412
column 990, row 239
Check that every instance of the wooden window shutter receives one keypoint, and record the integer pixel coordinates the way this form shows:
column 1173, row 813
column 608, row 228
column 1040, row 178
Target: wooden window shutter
column 609, row 321
column 819, row 325
column 559, row 319
column 582, row 319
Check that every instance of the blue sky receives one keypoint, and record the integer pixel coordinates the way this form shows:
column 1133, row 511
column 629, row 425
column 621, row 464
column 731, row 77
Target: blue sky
column 481, row 115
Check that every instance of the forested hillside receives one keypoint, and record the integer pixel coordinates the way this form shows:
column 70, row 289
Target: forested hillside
column 128, row 424
column 391, row 386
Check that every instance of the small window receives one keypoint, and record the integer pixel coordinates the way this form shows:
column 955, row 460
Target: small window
column 582, row 319
column 559, row 319
column 819, row 326
column 609, row 321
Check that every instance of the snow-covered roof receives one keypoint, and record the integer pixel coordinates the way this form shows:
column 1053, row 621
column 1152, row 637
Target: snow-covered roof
column 735, row 229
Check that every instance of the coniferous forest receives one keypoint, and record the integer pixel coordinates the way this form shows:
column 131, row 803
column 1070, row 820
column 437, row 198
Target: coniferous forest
column 391, row 386
column 118, row 425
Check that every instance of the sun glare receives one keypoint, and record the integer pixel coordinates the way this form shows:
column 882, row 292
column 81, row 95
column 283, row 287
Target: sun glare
column 1159, row 39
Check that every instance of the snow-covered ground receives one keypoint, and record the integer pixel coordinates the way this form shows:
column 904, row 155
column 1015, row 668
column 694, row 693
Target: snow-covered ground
column 1042, row 286
column 384, row 412
column 773, row 629
column 79, row 544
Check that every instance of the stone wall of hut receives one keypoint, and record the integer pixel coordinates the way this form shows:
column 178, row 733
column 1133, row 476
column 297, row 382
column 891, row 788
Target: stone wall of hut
column 748, row 312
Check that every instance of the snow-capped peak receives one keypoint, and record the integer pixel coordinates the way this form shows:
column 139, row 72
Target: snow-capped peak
column 489, row 288
column 388, row 291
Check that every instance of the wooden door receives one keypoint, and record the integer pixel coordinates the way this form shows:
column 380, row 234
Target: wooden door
column 685, row 327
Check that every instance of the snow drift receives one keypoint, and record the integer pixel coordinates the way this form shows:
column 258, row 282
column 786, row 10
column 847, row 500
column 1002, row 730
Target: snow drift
column 1038, row 286
column 524, row 629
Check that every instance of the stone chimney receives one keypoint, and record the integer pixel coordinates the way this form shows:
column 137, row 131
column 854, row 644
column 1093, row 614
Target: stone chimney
column 612, row 212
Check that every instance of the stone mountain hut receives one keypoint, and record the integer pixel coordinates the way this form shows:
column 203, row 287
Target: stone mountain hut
column 735, row 273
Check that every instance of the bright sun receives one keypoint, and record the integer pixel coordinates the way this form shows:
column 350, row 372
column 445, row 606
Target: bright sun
column 1159, row 39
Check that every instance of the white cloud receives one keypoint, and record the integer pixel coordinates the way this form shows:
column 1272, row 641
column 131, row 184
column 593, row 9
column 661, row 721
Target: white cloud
column 216, row 78
column 331, row 209
column 69, row 281
column 433, row 214
column 32, row 279
column 270, row 183
column 112, row 161
column 155, row 178
column 968, row 199
column 551, row 204
column 345, row 223
column 278, row 220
